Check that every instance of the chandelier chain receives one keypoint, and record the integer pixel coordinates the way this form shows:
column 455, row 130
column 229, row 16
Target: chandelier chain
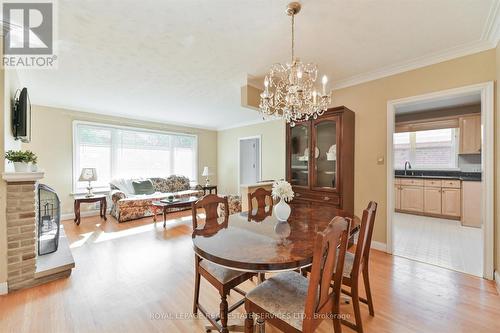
column 293, row 38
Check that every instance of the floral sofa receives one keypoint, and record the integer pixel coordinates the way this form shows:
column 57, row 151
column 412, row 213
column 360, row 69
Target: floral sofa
column 126, row 205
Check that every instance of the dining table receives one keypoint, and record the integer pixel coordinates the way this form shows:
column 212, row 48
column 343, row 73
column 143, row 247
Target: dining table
column 258, row 242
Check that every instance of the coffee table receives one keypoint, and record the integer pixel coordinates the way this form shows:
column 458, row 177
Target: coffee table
column 166, row 205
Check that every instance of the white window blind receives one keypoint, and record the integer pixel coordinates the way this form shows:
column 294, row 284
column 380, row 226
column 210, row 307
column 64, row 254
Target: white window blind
column 119, row 152
column 433, row 149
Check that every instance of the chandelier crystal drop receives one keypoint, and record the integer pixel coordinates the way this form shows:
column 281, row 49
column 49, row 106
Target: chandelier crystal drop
column 289, row 89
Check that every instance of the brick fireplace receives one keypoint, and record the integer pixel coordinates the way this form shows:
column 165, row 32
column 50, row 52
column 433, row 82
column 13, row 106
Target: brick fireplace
column 23, row 264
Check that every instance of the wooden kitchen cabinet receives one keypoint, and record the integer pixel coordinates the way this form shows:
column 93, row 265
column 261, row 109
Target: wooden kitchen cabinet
column 397, row 196
column 432, row 200
column 412, row 198
column 471, row 204
column 451, row 202
column 470, row 134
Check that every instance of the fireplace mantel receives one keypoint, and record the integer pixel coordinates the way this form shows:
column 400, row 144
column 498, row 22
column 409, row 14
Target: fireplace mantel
column 10, row 177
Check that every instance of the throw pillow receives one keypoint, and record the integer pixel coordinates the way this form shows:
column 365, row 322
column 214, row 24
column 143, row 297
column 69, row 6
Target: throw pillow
column 143, row 187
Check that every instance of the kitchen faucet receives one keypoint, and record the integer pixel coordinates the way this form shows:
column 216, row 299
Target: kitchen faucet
column 407, row 164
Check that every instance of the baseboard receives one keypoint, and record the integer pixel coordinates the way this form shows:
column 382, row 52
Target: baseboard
column 379, row 246
column 4, row 289
column 497, row 280
column 87, row 213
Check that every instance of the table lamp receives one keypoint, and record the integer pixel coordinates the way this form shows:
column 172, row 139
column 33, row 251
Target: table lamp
column 206, row 173
column 88, row 175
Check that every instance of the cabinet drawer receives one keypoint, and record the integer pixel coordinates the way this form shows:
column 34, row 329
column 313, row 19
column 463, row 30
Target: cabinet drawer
column 397, row 181
column 412, row 181
column 432, row 182
column 328, row 198
column 451, row 183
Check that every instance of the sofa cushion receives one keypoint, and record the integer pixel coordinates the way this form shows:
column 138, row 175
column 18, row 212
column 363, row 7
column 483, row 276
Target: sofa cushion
column 143, row 187
column 177, row 183
column 160, row 184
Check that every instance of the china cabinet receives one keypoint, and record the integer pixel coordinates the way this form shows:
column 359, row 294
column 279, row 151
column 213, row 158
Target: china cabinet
column 320, row 159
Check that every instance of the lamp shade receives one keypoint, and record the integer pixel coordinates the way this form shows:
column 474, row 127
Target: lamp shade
column 206, row 172
column 88, row 175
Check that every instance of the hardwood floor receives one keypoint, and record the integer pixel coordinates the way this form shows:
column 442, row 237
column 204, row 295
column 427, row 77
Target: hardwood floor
column 138, row 277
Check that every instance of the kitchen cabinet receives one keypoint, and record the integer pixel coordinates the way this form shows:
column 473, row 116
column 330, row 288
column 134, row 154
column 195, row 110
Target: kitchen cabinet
column 412, row 198
column 470, row 134
column 451, row 202
column 431, row 197
column 471, row 204
column 432, row 200
column 397, row 196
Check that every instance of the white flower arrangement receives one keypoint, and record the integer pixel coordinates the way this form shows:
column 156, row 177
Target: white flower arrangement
column 282, row 189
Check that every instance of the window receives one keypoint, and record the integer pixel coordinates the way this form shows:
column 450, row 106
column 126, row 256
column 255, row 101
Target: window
column 433, row 149
column 123, row 152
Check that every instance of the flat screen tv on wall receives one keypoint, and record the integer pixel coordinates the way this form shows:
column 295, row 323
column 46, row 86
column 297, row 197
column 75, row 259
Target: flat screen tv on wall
column 21, row 118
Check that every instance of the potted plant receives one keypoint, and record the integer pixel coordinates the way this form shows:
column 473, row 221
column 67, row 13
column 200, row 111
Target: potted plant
column 23, row 160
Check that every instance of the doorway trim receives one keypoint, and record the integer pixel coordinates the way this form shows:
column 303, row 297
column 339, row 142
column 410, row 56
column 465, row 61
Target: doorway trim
column 486, row 90
column 259, row 137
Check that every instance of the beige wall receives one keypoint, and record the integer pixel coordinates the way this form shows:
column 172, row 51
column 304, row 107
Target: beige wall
column 497, row 162
column 369, row 102
column 52, row 141
column 273, row 153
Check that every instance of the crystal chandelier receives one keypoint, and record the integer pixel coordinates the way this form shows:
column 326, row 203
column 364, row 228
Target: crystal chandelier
column 289, row 89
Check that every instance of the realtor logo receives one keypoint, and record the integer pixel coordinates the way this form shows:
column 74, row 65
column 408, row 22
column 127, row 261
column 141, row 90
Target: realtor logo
column 28, row 34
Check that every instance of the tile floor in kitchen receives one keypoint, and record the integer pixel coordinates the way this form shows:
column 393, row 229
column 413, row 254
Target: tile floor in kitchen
column 437, row 241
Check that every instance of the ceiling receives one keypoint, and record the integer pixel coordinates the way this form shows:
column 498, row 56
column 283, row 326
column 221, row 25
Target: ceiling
column 184, row 61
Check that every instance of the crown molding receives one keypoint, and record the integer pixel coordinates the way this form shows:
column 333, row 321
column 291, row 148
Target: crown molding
column 419, row 62
column 489, row 39
column 491, row 31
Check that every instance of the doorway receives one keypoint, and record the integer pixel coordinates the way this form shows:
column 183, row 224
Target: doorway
column 249, row 160
column 432, row 224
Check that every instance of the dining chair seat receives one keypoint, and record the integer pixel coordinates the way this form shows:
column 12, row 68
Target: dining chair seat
column 284, row 296
column 222, row 274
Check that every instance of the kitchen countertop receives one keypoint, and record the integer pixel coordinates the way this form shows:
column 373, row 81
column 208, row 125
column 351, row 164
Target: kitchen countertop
column 426, row 174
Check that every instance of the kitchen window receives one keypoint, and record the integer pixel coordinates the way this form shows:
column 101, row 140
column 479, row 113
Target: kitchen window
column 431, row 149
column 126, row 152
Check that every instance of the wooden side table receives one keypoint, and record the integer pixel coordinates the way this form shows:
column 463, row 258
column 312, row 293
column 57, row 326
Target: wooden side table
column 208, row 189
column 96, row 198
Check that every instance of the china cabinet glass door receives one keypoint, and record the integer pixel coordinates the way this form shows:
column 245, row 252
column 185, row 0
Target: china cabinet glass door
column 325, row 154
column 300, row 155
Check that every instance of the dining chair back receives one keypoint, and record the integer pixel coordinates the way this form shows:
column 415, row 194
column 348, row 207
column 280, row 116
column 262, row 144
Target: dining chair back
column 263, row 210
column 365, row 238
column 328, row 262
column 213, row 222
column 358, row 265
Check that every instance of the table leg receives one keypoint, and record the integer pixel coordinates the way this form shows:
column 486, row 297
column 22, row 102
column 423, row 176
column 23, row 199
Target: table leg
column 77, row 212
column 104, row 206
column 153, row 208
column 164, row 217
column 74, row 210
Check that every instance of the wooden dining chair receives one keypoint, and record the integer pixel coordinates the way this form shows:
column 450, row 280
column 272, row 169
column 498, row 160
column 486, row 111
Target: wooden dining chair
column 263, row 210
column 357, row 264
column 293, row 303
column 221, row 278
